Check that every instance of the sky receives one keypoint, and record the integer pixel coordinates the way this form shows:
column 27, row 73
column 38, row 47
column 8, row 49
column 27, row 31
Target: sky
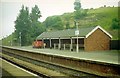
column 9, row 10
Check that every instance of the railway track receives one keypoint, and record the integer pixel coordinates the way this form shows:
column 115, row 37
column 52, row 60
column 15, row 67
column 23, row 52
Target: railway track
column 38, row 70
column 63, row 70
column 59, row 69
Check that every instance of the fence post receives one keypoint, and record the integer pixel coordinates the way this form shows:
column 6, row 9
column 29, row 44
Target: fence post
column 54, row 46
column 64, row 46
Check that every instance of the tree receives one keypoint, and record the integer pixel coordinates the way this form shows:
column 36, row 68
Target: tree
column 54, row 22
column 79, row 12
column 77, row 5
column 66, row 17
column 28, row 25
column 35, row 14
column 22, row 25
column 36, row 26
column 67, row 25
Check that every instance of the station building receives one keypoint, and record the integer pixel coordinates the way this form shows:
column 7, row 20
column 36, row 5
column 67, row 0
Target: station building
column 89, row 39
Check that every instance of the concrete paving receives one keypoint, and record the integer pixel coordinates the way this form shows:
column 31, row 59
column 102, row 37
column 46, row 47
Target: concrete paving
column 110, row 56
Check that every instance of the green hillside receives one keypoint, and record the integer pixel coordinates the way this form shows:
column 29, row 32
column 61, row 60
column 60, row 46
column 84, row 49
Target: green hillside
column 103, row 16
column 100, row 16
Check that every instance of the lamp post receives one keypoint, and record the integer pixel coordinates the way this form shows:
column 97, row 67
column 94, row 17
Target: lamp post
column 20, row 38
column 77, row 7
column 11, row 39
column 77, row 33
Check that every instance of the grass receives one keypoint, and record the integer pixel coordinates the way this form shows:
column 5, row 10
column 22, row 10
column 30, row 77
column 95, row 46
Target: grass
column 101, row 16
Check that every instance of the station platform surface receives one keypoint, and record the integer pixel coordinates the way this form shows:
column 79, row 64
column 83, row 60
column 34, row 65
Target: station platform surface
column 109, row 56
column 13, row 70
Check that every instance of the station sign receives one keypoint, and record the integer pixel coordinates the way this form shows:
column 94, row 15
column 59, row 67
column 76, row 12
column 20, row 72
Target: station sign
column 77, row 32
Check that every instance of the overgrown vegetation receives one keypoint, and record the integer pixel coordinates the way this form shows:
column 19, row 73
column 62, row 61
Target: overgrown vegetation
column 115, row 23
column 30, row 27
column 53, row 23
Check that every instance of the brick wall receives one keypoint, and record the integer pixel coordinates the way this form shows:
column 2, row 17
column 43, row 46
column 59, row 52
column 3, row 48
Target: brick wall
column 97, row 41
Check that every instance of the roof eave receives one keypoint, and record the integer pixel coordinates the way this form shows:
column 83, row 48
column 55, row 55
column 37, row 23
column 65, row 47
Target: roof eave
column 96, row 29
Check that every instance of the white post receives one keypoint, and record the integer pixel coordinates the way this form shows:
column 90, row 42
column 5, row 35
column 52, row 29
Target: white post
column 64, row 46
column 59, row 43
column 43, row 43
column 77, row 47
column 77, row 33
column 71, row 47
column 54, row 46
column 50, row 43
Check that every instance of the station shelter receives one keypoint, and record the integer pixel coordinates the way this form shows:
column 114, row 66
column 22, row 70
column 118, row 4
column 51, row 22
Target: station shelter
column 93, row 38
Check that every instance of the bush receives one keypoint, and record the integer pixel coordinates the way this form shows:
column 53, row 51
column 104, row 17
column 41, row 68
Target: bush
column 115, row 23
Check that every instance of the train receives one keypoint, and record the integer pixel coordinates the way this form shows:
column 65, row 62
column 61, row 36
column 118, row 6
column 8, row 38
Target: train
column 38, row 44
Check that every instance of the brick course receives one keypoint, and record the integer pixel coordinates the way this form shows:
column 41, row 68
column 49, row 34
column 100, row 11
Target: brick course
column 98, row 40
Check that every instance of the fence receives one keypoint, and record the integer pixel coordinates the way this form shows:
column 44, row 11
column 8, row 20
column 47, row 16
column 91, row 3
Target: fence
column 115, row 44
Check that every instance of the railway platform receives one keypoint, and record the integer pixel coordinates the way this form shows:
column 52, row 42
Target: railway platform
column 108, row 56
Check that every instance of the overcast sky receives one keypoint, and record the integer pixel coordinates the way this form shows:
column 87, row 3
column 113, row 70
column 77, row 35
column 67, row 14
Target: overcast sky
column 9, row 10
